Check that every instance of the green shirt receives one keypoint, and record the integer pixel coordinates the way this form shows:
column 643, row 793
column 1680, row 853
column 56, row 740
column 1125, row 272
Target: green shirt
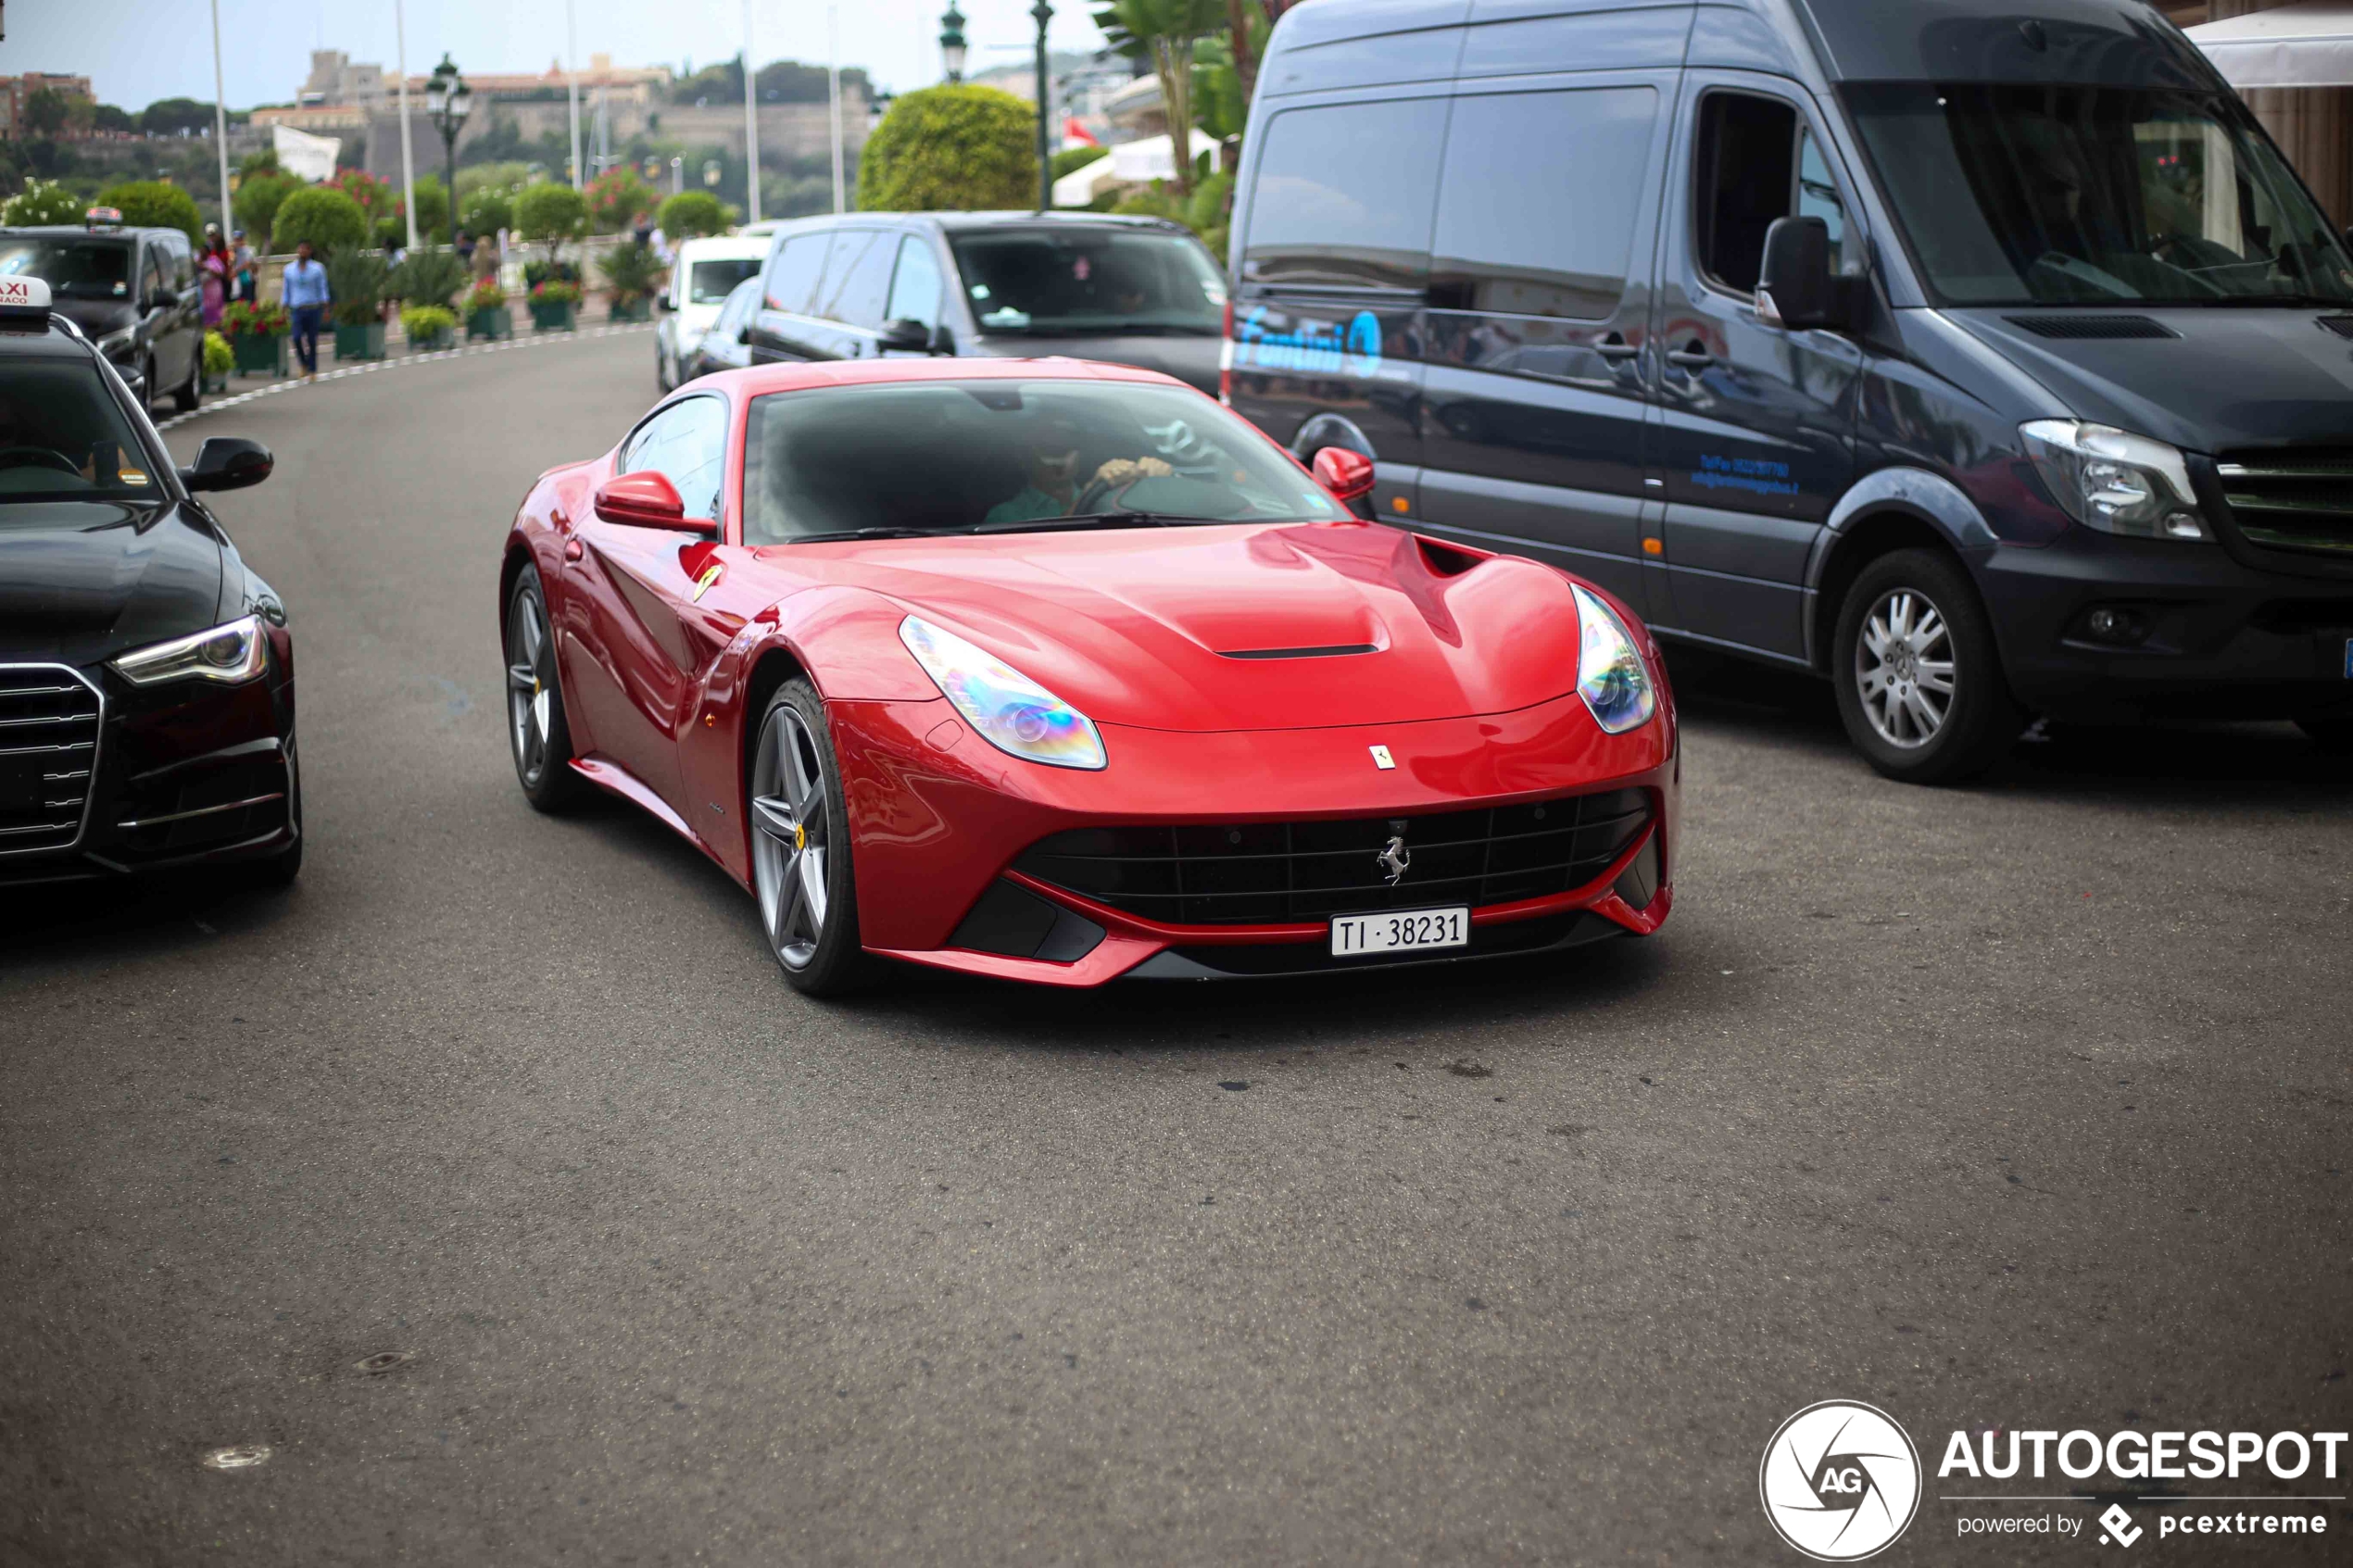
column 1027, row 506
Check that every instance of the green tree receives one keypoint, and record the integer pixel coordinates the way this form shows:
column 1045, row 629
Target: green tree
column 949, row 149
column 550, row 214
column 484, row 210
column 1163, row 33
column 106, row 117
column 328, row 218
column 690, row 213
column 433, row 209
column 41, row 201
column 44, row 111
column 155, row 203
column 1070, row 161
column 257, row 202
column 262, row 160
column 616, row 197
column 176, row 116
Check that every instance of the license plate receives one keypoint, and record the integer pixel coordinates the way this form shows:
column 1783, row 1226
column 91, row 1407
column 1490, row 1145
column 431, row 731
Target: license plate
column 1399, row 929
column 2348, row 658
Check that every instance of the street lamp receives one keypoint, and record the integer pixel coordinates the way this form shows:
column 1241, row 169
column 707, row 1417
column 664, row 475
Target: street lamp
column 951, row 43
column 1044, row 13
column 448, row 99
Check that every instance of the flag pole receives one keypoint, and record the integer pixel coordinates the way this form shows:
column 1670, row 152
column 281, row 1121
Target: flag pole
column 751, row 129
column 221, row 126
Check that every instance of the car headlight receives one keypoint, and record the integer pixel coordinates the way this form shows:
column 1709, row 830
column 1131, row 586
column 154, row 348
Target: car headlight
column 1013, row 712
column 237, row 651
column 2116, row 482
column 1610, row 676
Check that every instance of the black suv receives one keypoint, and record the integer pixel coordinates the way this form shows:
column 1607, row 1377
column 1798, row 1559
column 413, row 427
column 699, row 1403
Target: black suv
column 147, row 676
column 133, row 291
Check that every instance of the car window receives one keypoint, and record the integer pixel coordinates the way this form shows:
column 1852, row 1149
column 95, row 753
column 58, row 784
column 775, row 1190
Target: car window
column 1345, row 195
column 851, row 247
column 740, row 307
column 868, row 286
column 687, row 443
column 914, row 289
column 151, row 276
column 1069, row 280
column 91, row 269
column 1537, row 211
column 183, row 262
column 63, row 436
column 1757, row 162
column 794, row 270
column 710, row 283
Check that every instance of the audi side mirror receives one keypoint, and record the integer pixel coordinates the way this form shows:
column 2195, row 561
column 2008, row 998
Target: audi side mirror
column 905, row 335
column 1347, row 475
column 942, row 341
column 162, row 299
column 648, row 499
column 228, row 462
column 1794, row 288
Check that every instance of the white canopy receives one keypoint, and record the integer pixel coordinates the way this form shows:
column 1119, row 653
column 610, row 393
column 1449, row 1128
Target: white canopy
column 1130, row 163
column 2309, row 44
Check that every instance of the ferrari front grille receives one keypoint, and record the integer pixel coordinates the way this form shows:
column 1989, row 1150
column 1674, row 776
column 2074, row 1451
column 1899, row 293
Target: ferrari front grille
column 1274, row 873
column 2292, row 499
column 49, row 724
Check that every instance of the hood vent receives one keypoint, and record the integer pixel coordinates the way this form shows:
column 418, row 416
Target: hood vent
column 1334, row 651
column 2093, row 326
column 2341, row 325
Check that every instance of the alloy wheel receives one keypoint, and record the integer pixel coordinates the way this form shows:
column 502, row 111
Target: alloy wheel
column 1904, row 668
column 530, row 677
column 789, row 850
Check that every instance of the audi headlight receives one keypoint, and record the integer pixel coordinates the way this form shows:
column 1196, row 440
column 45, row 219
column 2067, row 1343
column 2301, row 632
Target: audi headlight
column 1013, row 712
column 2116, row 482
column 1610, row 676
column 237, row 651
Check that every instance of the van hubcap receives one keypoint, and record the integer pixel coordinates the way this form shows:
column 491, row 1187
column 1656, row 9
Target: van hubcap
column 1904, row 668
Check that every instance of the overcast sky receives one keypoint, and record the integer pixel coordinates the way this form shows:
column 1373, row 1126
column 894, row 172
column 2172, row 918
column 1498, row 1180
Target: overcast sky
column 137, row 51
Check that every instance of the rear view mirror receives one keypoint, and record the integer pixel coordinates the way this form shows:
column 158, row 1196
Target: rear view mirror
column 1795, row 288
column 228, row 462
column 1347, row 475
column 648, row 499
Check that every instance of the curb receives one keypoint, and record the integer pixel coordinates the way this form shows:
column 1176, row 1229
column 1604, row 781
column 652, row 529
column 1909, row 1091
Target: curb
column 295, row 383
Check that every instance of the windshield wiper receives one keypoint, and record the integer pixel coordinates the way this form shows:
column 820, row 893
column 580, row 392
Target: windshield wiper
column 1098, row 519
column 868, row 534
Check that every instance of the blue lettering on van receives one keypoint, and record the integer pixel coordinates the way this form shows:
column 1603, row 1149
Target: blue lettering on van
column 1315, row 348
column 1759, row 476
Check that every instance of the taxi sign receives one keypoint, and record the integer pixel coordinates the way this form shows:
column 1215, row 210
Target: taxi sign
column 103, row 218
column 23, row 297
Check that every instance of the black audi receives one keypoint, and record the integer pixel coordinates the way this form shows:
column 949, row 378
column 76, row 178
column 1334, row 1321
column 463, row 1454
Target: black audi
column 146, row 675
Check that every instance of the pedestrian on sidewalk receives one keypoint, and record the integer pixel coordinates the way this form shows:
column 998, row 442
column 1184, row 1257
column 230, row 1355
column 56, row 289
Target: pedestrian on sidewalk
column 304, row 293
column 248, row 287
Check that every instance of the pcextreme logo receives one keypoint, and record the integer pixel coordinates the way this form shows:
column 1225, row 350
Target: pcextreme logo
column 1839, row 1481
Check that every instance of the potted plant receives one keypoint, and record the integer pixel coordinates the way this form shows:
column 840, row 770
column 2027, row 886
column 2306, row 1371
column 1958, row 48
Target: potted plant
column 429, row 327
column 356, row 288
column 555, row 305
column 218, row 360
column 487, row 311
column 256, row 334
column 631, row 274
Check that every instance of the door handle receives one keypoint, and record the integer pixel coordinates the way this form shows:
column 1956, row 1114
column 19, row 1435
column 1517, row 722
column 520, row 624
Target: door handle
column 1615, row 347
column 1693, row 356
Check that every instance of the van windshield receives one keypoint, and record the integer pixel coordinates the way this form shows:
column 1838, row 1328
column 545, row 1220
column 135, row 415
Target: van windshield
column 1071, row 281
column 2043, row 194
column 88, row 268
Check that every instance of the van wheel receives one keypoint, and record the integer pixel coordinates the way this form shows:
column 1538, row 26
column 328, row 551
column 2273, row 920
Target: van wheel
column 1919, row 680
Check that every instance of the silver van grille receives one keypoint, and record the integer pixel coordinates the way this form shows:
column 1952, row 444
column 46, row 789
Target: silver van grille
column 2292, row 499
column 50, row 719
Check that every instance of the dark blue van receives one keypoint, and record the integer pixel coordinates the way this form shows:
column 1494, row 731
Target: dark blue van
column 1983, row 356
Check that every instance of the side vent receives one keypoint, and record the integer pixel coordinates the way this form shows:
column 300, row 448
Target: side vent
column 2093, row 326
column 1449, row 560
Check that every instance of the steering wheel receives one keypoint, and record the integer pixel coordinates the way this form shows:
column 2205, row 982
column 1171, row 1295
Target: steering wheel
column 1090, row 500
column 37, row 457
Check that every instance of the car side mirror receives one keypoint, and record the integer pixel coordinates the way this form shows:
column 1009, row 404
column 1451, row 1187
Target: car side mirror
column 1347, row 475
column 648, row 499
column 941, row 341
column 162, row 299
column 661, row 303
column 1794, row 288
column 228, row 462
column 904, row 336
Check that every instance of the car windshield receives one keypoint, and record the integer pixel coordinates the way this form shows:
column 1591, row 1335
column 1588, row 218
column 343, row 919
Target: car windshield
column 98, row 269
column 63, row 436
column 1078, row 280
column 709, row 282
column 1008, row 457
column 2013, row 195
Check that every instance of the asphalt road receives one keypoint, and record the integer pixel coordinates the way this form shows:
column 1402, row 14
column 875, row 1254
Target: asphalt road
column 2023, row 1106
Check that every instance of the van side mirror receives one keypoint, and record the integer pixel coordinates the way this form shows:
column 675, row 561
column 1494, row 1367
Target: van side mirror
column 1347, row 475
column 228, row 462
column 905, row 335
column 1796, row 289
column 942, row 341
column 162, row 299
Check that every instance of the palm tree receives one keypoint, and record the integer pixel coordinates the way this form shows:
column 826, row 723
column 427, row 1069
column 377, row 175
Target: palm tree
column 1163, row 32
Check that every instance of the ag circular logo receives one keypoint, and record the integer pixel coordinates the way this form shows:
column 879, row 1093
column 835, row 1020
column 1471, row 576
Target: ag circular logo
column 1839, row 1481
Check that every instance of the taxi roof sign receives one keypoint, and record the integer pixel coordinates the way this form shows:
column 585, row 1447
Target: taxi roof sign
column 103, row 218
column 23, row 297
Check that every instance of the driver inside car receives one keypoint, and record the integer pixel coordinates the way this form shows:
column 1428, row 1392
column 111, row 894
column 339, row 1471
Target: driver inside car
column 1054, row 488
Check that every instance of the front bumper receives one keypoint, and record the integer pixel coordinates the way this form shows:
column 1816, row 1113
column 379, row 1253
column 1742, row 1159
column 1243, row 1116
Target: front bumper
column 184, row 775
column 2217, row 638
column 939, row 817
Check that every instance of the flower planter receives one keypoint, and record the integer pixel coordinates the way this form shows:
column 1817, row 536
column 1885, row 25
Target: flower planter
column 259, row 356
column 561, row 317
column 363, row 341
column 636, row 310
column 216, row 383
column 433, row 342
column 491, row 321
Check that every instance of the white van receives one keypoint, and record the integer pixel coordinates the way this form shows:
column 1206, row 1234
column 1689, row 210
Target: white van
column 703, row 275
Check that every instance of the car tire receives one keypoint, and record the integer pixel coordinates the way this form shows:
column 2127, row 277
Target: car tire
column 2330, row 731
column 665, row 368
column 801, row 852
column 537, row 731
column 280, row 870
column 185, row 399
column 1918, row 676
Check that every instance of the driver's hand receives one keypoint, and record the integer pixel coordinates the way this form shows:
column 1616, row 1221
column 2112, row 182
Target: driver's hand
column 1127, row 470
